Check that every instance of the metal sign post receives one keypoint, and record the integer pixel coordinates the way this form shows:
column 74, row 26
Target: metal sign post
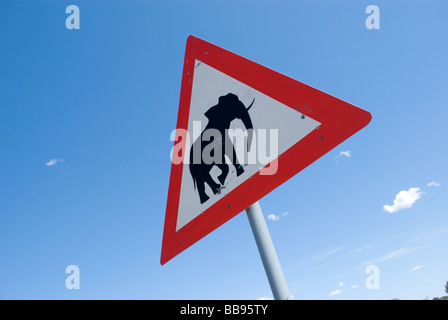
column 268, row 254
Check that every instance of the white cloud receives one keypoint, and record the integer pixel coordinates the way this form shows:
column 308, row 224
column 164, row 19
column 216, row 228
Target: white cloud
column 416, row 268
column 403, row 200
column 342, row 154
column 52, row 162
column 274, row 217
column 433, row 184
column 340, row 284
column 335, row 292
column 355, row 286
column 346, row 153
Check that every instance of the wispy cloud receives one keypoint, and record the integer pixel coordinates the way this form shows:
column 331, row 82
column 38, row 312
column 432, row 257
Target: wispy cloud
column 335, row 292
column 394, row 254
column 362, row 249
column 433, row 184
column 319, row 257
column 274, row 217
column 397, row 253
column 403, row 200
column 416, row 268
column 431, row 234
column 323, row 255
column 52, row 162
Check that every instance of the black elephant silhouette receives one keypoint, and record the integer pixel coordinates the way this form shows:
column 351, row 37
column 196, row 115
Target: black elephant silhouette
column 219, row 117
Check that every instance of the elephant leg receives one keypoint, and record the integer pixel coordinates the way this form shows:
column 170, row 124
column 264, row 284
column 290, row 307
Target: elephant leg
column 213, row 185
column 201, row 189
column 229, row 150
column 198, row 181
column 224, row 167
column 239, row 170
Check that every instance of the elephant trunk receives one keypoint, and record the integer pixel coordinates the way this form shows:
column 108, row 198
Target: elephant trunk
column 245, row 118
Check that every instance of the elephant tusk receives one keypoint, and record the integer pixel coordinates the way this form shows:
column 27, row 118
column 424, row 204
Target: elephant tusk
column 250, row 105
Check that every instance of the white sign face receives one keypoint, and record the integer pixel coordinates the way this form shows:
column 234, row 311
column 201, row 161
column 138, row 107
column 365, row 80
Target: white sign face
column 276, row 128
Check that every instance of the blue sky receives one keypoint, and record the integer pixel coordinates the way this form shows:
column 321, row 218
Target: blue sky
column 102, row 101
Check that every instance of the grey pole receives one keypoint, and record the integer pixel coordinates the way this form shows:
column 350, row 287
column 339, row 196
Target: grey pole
column 268, row 254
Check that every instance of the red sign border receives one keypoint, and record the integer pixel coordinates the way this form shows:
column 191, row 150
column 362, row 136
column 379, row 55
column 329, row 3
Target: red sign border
column 339, row 120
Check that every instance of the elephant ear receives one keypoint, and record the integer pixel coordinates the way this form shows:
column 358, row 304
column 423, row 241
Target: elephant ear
column 224, row 108
column 212, row 113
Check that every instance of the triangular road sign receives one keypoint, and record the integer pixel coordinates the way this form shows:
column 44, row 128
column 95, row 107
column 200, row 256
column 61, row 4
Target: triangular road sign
column 286, row 126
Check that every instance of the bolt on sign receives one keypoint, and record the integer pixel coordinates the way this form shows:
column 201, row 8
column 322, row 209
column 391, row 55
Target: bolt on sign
column 242, row 130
